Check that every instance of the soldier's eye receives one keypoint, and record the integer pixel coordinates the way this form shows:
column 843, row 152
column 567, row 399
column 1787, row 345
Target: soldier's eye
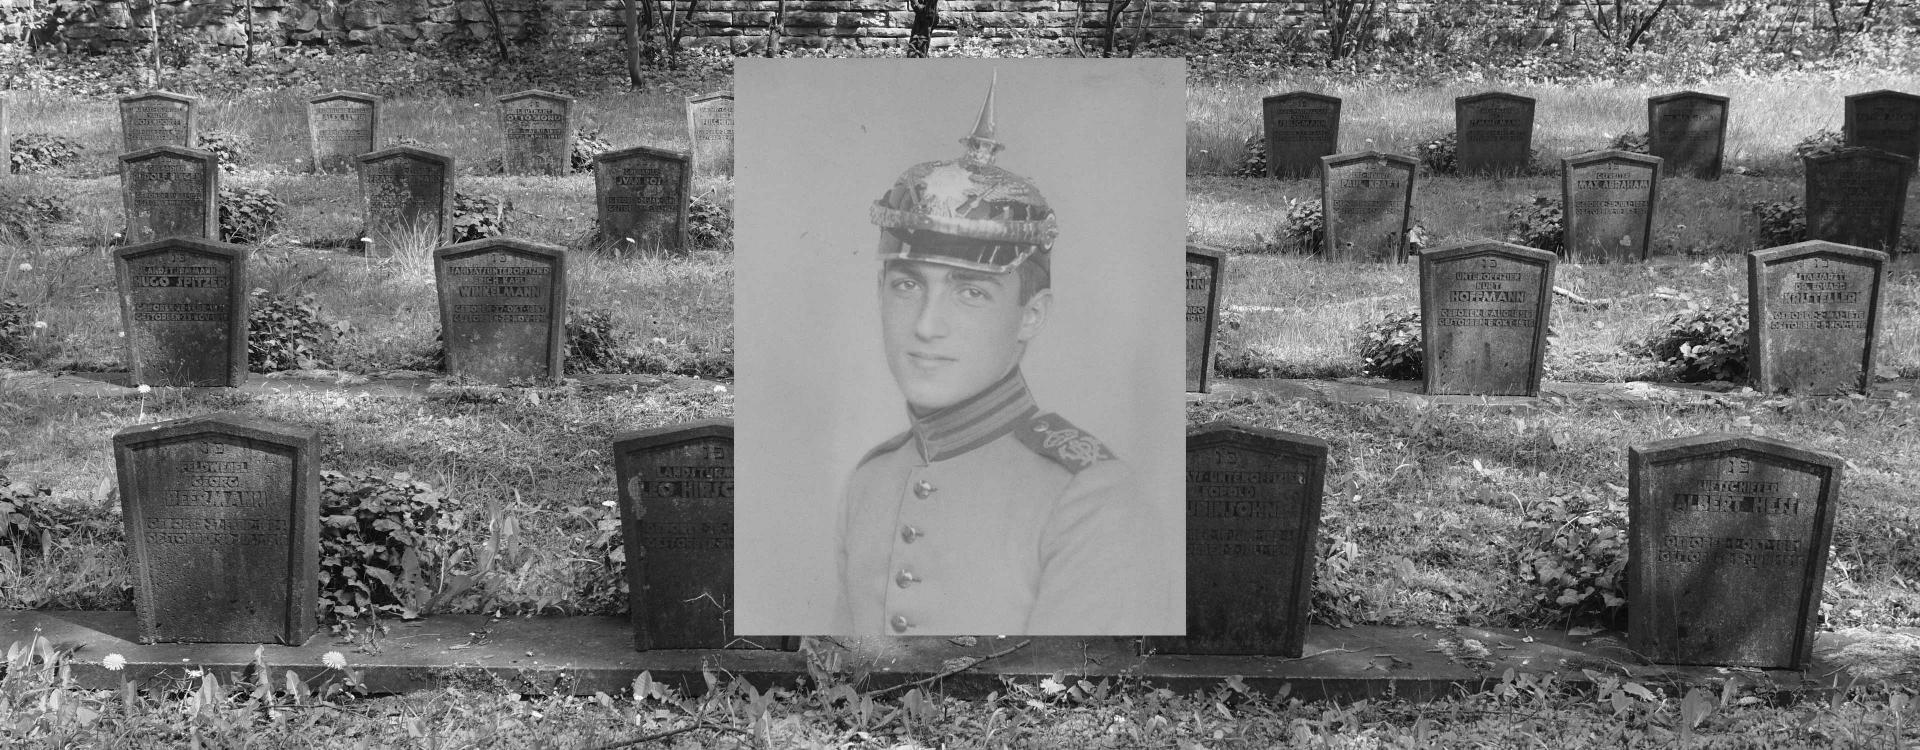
column 903, row 284
column 974, row 294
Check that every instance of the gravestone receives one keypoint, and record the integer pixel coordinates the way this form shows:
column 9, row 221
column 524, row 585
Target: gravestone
column 503, row 309
column 536, row 129
column 1206, row 268
column 183, row 307
column 1609, row 199
column 1493, row 133
column 1301, row 127
column 156, row 118
column 1689, row 130
column 642, row 194
column 710, row 127
column 1727, row 549
column 1366, row 201
column 1856, row 196
column 406, row 192
column 1483, row 314
column 169, row 191
column 222, row 518
column 1886, row 120
column 341, row 126
column 1813, row 317
column 1253, row 527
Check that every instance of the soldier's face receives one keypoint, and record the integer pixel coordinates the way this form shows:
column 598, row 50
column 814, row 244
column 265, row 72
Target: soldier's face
column 951, row 332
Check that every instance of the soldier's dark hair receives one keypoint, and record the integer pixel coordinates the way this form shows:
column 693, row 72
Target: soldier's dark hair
column 1034, row 277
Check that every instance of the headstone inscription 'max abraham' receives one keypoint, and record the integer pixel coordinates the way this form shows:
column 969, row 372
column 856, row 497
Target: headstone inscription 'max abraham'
column 1253, row 526
column 1813, row 317
column 169, row 191
column 536, row 129
column 1886, row 120
column 1301, row 127
column 1206, row 267
column 1857, row 196
column 710, row 127
column 1483, row 311
column 1727, row 549
column 183, row 306
column 1366, row 200
column 156, row 118
column 406, row 192
column 503, row 309
column 222, row 516
column 1609, row 198
column 1493, row 133
column 341, row 125
column 642, row 193
column 1689, row 130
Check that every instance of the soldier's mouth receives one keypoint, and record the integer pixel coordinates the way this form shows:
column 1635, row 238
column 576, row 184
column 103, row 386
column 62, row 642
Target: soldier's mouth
column 927, row 361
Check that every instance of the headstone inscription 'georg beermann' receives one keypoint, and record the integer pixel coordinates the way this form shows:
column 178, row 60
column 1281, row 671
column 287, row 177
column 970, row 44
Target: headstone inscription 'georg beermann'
column 1857, row 196
column 156, row 118
column 222, row 518
column 503, row 309
column 1609, row 199
column 1493, row 133
column 341, row 125
column 1813, row 317
column 183, row 306
column 1688, row 130
column 1727, row 549
column 536, row 130
column 1301, row 127
column 1483, row 310
column 642, row 195
column 1367, row 201
column 1205, row 268
column 169, row 191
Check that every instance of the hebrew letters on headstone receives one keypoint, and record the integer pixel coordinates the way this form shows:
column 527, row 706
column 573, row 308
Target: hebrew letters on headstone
column 1608, row 200
column 1812, row 317
column 1483, row 309
column 503, row 309
column 183, row 304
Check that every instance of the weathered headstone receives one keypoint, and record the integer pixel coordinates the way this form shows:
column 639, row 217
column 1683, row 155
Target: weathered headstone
column 1886, row 120
column 1609, row 199
column 536, row 128
column 1857, row 196
column 503, row 309
column 642, row 193
column 676, row 511
column 222, row 518
column 1689, row 130
column 406, row 191
column 1727, row 549
column 1813, row 317
column 183, row 307
column 169, row 191
column 1206, row 269
column 341, row 126
column 1493, row 133
column 1253, row 527
column 1483, row 311
column 1301, row 127
column 156, row 118
column 1366, row 202
column 710, row 126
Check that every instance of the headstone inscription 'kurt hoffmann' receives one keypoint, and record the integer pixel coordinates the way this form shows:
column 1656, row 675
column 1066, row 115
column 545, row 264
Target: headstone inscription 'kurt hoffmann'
column 536, row 128
column 1689, row 130
column 1483, row 310
column 1493, row 133
column 169, row 191
column 1205, row 266
column 642, row 195
column 1301, row 127
column 1858, row 197
column 1813, row 317
column 1609, row 199
column 341, row 126
column 183, row 306
column 503, row 309
column 156, row 118
column 1367, row 201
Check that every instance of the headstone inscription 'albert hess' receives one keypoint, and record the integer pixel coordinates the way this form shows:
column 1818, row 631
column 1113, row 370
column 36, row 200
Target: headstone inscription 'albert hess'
column 1366, row 200
column 1727, row 549
column 503, row 309
column 169, row 191
column 156, row 118
column 1857, row 196
column 1609, row 198
column 642, row 193
column 1253, row 527
column 406, row 194
column 1886, row 120
column 183, row 307
column 1689, row 130
column 341, row 126
column 1493, row 133
column 1301, row 127
column 1205, row 269
column 710, row 126
column 222, row 518
column 536, row 128
column 1813, row 316
column 1483, row 311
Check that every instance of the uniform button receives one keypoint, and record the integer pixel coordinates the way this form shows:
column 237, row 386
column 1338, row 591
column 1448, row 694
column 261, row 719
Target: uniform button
column 923, row 489
column 909, row 533
column 905, row 578
column 901, row 623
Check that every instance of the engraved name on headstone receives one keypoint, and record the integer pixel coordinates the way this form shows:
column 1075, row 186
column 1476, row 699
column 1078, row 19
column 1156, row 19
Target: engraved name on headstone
column 1813, row 317
column 710, row 126
column 156, row 118
column 503, row 309
column 642, row 194
column 1367, row 201
column 341, row 126
column 1609, row 199
column 536, row 129
column 1886, row 120
column 406, row 195
column 1301, row 127
column 169, row 191
column 1206, row 268
column 1857, row 196
column 1493, row 133
column 1483, row 310
column 1689, row 130
column 183, row 307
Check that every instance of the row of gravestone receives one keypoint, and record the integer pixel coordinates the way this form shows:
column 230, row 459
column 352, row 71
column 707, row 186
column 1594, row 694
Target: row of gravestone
column 1812, row 309
column 1728, row 539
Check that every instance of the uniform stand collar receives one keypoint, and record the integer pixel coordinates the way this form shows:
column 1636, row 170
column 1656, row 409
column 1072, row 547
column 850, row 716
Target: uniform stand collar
column 980, row 419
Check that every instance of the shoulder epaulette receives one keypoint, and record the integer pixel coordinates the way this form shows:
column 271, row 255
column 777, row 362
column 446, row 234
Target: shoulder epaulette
column 891, row 444
column 1052, row 436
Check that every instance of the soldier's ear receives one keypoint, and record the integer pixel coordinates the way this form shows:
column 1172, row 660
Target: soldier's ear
column 1033, row 316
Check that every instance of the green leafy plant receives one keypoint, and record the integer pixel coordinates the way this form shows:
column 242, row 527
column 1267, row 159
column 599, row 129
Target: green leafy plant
column 1393, row 348
column 1707, row 341
column 1234, row 353
column 1781, row 222
column 1579, row 559
column 1440, row 154
column 1822, row 142
column 23, row 525
column 40, row 152
column 228, row 147
column 25, row 217
column 1538, row 223
column 1253, row 162
column 586, row 145
column 1638, row 143
column 1302, row 228
column 379, row 537
column 285, row 332
column 477, row 216
column 595, row 343
column 16, row 324
column 709, row 224
column 248, row 215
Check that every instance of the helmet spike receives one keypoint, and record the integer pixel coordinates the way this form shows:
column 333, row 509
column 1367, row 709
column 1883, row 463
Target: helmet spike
column 981, row 146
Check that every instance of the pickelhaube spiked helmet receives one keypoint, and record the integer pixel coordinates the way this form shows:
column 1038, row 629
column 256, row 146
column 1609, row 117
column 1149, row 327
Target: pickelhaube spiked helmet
column 966, row 212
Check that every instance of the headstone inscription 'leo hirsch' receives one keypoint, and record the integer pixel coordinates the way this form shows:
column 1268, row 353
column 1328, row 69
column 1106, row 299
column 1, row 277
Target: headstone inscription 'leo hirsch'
column 1493, row 133
column 1689, row 130
column 406, row 193
column 1886, row 120
column 1253, row 525
column 1366, row 200
column 710, row 126
column 1857, row 196
column 169, row 191
column 1609, row 199
column 341, row 126
column 537, row 132
column 222, row 516
column 1728, row 549
column 156, row 118
column 1813, row 317
column 1301, row 127
column 1205, row 269
column 183, row 306
column 642, row 194
column 503, row 309
column 1483, row 310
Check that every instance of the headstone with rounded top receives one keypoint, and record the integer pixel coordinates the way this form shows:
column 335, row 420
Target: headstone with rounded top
column 503, row 309
column 406, row 196
column 1493, row 133
column 183, row 307
column 1857, row 196
column 1813, row 317
column 1689, row 130
column 642, row 194
column 710, row 127
column 1483, row 310
column 342, row 125
column 1301, row 127
column 1886, row 120
column 1608, row 201
column 156, row 118
column 536, row 129
column 1366, row 202
column 1206, row 269
column 169, row 191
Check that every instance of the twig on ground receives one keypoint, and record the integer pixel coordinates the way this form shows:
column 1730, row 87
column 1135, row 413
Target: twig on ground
column 951, row 672
column 1579, row 300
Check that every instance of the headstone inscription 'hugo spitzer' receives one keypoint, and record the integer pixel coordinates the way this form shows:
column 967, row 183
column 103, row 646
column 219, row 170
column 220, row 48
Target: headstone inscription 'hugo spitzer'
column 1483, row 309
column 503, row 309
column 342, row 125
column 1609, row 199
column 1813, row 317
column 183, row 307
column 1205, row 266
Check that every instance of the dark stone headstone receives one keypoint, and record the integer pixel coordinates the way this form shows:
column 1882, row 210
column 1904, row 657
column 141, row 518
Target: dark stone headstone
column 642, row 193
column 710, row 126
column 537, row 132
column 1813, row 317
column 1727, row 549
column 1689, row 130
column 1366, row 201
column 1856, row 196
column 1493, row 133
column 169, row 191
column 156, row 118
column 222, row 518
column 1253, row 527
column 183, row 307
column 1886, row 120
column 1301, row 127
column 1608, row 200
column 341, row 126
column 503, row 309
column 1483, row 311
column 406, row 192
column 1206, row 269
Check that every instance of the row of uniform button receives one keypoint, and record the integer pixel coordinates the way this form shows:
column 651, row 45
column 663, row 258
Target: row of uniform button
column 922, row 489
